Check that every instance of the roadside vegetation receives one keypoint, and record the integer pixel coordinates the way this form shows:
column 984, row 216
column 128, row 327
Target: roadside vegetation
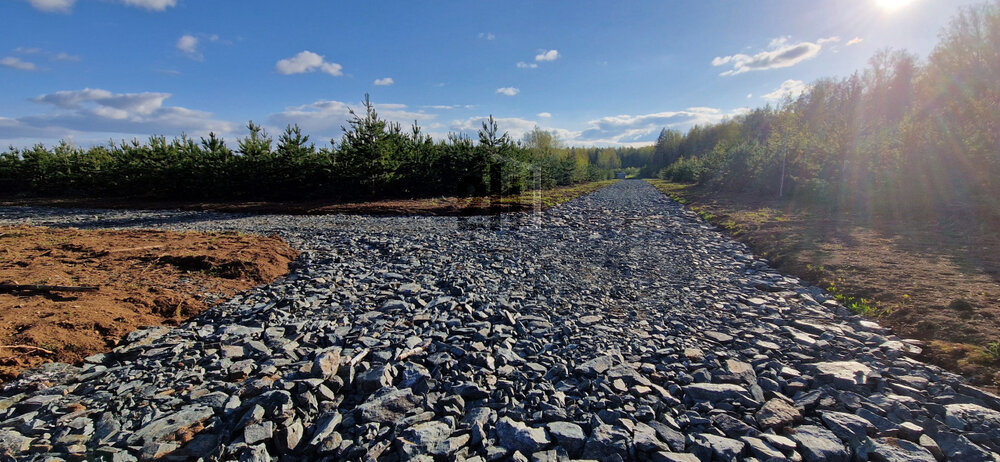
column 374, row 159
column 880, row 187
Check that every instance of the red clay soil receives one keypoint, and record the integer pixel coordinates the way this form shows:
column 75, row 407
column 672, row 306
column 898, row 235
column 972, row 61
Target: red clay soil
column 143, row 278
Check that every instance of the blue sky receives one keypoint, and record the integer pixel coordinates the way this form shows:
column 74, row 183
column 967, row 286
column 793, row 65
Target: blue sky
column 596, row 73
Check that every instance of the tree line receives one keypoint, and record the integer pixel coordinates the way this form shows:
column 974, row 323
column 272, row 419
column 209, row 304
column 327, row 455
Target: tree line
column 374, row 158
column 901, row 135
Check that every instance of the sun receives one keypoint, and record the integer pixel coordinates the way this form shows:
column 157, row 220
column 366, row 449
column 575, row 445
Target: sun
column 892, row 5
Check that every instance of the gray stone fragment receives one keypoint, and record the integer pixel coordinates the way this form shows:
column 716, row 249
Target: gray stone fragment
column 717, row 392
column 388, row 406
column 568, row 435
column 516, row 436
column 422, row 438
column 14, row 442
column 326, row 364
column 712, row 447
column 169, row 427
column 608, row 442
column 846, row 375
column 672, row 437
column 645, row 440
column 896, row 450
column 596, row 366
column 958, row 447
column 818, row 444
column 253, row 434
column 664, row 456
column 847, row 427
column 758, row 448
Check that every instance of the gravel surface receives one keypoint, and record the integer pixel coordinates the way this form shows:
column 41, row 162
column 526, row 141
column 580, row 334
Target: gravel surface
column 618, row 326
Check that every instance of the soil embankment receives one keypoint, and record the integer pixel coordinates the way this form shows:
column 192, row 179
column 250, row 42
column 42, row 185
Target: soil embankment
column 141, row 278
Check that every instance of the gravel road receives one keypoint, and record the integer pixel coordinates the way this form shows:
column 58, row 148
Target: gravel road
column 618, row 326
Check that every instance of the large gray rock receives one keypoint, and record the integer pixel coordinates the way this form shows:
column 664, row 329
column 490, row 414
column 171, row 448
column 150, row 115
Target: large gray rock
column 187, row 421
column 516, row 436
column 718, row 392
column 777, row 413
column 388, row 406
column 712, row 447
column 818, row 444
column 895, row 450
column 848, row 427
column 608, row 442
column 847, row 375
column 568, row 435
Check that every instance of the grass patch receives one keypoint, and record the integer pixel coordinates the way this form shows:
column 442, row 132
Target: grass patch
column 554, row 196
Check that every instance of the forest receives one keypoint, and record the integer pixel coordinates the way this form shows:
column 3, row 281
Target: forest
column 901, row 136
column 374, row 158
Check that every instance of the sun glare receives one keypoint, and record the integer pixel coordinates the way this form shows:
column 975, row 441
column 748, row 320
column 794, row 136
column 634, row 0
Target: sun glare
column 892, row 5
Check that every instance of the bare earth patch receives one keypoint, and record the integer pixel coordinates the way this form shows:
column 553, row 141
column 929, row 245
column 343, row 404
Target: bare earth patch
column 932, row 278
column 439, row 206
column 143, row 278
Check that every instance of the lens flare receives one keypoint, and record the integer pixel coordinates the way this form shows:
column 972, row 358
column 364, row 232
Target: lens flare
column 892, row 5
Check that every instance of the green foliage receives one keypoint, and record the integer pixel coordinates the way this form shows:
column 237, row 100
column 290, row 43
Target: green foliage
column 374, row 158
column 895, row 138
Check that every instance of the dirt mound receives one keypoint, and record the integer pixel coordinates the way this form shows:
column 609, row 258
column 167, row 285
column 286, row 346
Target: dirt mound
column 141, row 278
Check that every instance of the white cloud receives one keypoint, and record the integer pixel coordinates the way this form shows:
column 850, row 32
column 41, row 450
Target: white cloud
column 307, row 61
column 788, row 88
column 782, row 54
column 53, row 6
column 98, row 111
column 189, row 45
column 509, row 91
column 64, row 6
column 155, row 5
column 14, row 62
column 385, row 81
column 626, row 129
column 53, row 56
column 323, row 119
column 524, row 65
column 487, row 36
column 61, row 56
column 855, row 41
column 514, row 126
column 544, row 115
column 549, row 55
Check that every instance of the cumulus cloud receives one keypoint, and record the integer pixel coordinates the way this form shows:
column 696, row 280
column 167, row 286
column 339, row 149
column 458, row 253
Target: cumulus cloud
column 189, row 45
column 487, row 36
column 385, row 82
column 53, row 6
column 781, row 54
column 626, row 129
column 307, row 61
column 509, row 91
column 855, row 41
column 325, row 118
column 514, row 126
column 544, row 115
column 547, row 55
column 14, row 62
column 524, row 65
column 99, row 111
column 788, row 88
